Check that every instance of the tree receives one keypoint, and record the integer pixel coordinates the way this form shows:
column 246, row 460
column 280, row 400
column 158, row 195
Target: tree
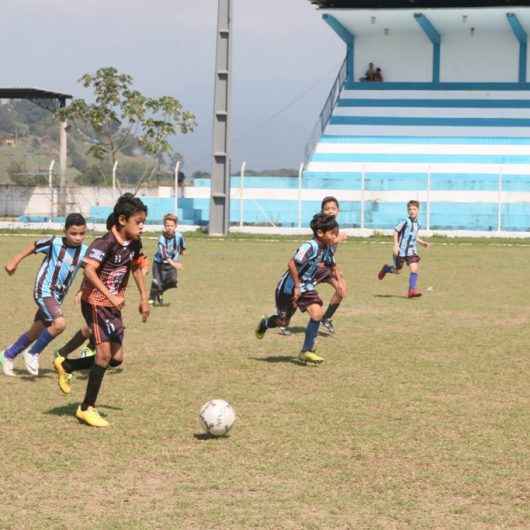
column 121, row 116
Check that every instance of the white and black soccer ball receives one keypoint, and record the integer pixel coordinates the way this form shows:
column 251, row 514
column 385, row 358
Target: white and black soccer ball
column 217, row 417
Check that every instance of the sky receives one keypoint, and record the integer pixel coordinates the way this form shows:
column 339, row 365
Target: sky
column 285, row 59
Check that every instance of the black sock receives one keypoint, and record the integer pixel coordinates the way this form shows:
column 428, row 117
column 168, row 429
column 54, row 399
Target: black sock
column 330, row 311
column 75, row 342
column 272, row 322
column 95, row 378
column 83, row 363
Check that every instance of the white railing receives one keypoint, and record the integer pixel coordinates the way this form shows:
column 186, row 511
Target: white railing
column 326, row 113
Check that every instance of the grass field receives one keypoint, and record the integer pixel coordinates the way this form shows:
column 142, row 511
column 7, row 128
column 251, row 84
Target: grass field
column 419, row 418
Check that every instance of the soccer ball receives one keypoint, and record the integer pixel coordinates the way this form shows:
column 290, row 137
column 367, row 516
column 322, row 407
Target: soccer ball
column 217, row 417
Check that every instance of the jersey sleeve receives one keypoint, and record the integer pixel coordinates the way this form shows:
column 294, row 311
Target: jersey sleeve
column 97, row 251
column 304, row 253
column 400, row 226
column 43, row 245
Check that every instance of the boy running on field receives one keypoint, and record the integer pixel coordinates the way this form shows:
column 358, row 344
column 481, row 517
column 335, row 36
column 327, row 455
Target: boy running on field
column 63, row 257
column 404, row 250
column 170, row 246
column 108, row 264
column 330, row 206
column 296, row 288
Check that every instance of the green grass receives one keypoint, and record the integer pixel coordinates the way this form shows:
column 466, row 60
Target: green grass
column 419, row 418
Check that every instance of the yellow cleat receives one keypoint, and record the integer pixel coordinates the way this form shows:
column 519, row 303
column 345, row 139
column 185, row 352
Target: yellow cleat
column 91, row 417
column 63, row 377
column 309, row 357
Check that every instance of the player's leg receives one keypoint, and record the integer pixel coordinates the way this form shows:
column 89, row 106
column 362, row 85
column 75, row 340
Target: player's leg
column 7, row 357
column 334, row 303
column 315, row 311
column 87, row 412
column 414, row 266
column 55, row 324
column 285, row 309
column 156, row 283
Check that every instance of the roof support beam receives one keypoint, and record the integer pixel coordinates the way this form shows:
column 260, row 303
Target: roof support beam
column 436, row 40
column 521, row 36
column 348, row 38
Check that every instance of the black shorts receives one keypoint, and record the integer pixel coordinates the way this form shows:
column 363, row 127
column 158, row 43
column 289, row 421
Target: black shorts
column 286, row 306
column 164, row 276
column 49, row 309
column 105, row 323
column 399, row 261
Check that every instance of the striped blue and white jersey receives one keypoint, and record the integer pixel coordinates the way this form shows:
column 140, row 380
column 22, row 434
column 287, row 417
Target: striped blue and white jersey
column 59, row 267
column 169, row 247
column 307, row 259
column 408, row 234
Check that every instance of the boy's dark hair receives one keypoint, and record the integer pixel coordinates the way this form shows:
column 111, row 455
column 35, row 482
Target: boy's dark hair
column 126, row 205
column 324, row 223
column 74, row 219
column 327, row 199
column 170, row 217
column 413, row 203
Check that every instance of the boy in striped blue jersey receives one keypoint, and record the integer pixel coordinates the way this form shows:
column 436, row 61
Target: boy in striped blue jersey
column 405, row 239
column 171, row 246
column 63, row 257
column 296, row 288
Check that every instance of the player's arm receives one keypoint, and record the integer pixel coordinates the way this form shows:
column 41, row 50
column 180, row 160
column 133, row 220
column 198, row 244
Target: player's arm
column 91, row 268
column 423, row 243
column 13, row 263
column 296, row 277
column 139, row 279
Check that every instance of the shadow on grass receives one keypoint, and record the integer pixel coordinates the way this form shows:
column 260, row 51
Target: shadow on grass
column 44, row 373
column 297, row 330
column 83, row 374
column 273, row 359
column 69, row 410
column 205, row 436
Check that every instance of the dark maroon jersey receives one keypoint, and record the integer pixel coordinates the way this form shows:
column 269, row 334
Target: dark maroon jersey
column 116, row 258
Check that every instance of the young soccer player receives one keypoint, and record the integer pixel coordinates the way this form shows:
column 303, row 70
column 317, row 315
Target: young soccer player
column 296, row 288
column 404, row 250
column 329, row 206
column 108, row 263
column 171, row 246
column 63, row 257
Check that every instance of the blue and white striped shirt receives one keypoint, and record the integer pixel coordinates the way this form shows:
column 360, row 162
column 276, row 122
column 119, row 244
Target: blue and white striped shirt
column 307, row 259
column 169, row 247
column 59, row 267
column 408, row 234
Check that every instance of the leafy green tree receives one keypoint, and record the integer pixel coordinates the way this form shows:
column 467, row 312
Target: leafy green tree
column 120, row 113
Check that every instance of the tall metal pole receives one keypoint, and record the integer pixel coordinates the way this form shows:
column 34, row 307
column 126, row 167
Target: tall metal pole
column 241, row 194
column 220, row 184
column 62, row 163
column 176, row 190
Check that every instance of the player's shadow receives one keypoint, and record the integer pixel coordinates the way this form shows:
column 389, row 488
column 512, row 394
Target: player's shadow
column 297, row 330
column 274, row 359
column 70, row 408
column 44, row 373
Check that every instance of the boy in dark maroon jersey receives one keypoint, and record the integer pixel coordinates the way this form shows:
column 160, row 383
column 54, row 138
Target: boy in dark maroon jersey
column 108, row 263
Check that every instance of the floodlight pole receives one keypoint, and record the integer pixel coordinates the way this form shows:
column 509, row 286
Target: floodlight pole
column 62, row 162
column 220, row 181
